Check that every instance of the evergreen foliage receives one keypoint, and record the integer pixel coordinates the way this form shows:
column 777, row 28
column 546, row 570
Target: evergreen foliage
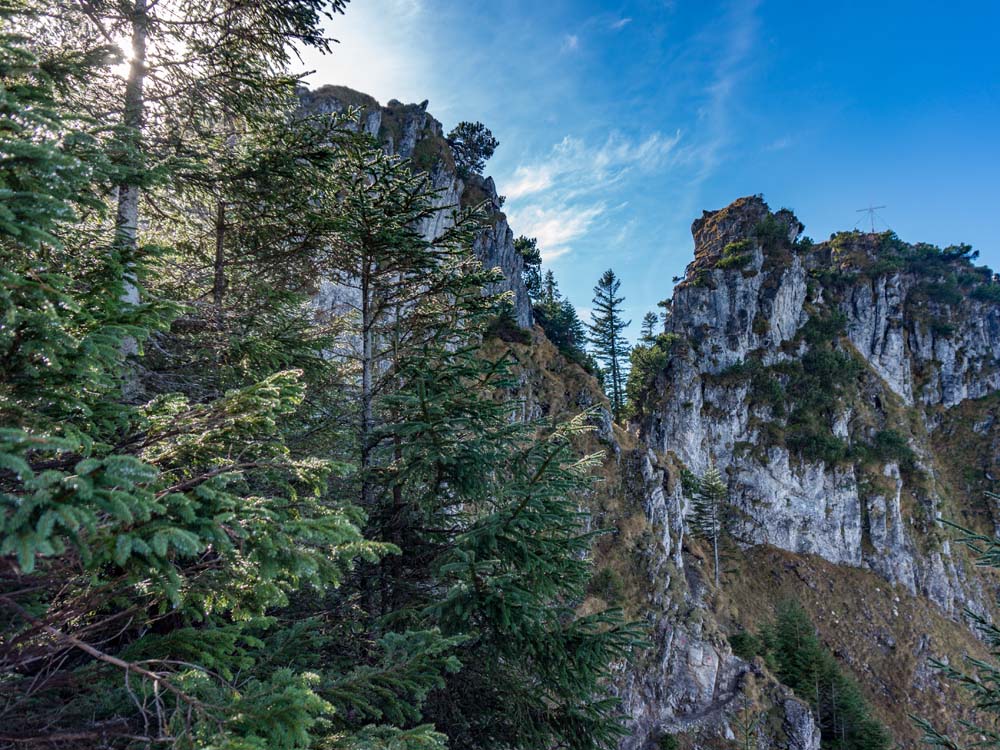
column 978, row 678
column 563, row 327
column 794, row 652
column 647, row 360
column 709, row 512
column 606, row 337
column 472, row 144
column 231, row 517
column 648, row 330
column 527, row 248
column 482, row 504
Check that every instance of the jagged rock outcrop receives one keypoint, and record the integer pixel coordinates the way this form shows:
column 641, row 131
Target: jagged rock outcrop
column 410, row 132
column 829, row 381
column 911, row 349
column 847, row 388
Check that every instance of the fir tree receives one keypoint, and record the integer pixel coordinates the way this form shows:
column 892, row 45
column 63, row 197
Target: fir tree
column 610, row 347
column 146, row 547
column 563, row 327
column 488, row 502
column 708, row 512
column 800, row 660
column 648, row 331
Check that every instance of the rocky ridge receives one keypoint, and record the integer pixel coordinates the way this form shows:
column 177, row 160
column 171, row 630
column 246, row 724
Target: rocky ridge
column 855, row 478
column 408, row 131
column 839, row 500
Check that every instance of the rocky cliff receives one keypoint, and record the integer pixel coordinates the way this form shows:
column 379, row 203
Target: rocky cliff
column 848, row 390
column 410, row 132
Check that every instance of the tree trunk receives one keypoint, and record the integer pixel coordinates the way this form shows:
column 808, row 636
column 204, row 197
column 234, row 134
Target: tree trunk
column 615, row 393
column 367, row 376
column 127, row 214
column 715, row 552
column 219, row 281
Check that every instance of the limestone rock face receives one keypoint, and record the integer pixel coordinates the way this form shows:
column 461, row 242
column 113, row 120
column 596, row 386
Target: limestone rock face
column 727, row 316
column 799, row 726
column 746, row 327
column 410, row 132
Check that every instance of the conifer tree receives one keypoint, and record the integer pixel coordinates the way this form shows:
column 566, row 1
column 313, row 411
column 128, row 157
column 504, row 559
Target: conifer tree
column 648, row 333
column 185, row 567
column 472, row 144
column 563, row 327
column 708, row 512
column 609, row 345
column 146, row 547
column 802, row 662
column 527, row 248
column 488, row 502
column 190, row 65
column 978, row 678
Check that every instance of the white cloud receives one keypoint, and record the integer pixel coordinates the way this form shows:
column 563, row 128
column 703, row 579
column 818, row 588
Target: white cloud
column 570, row 42
column 560, row 198
column 572, row 164
column 555, row 227
column 620, row 24
column 623, row 232
column 529, row 179
column 730, row 69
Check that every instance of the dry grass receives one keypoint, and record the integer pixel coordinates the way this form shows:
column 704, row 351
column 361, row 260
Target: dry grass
column 879, row 632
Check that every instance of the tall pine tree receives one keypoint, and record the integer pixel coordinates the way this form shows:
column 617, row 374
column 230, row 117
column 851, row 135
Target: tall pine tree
column 607, row 340
column 709, row 512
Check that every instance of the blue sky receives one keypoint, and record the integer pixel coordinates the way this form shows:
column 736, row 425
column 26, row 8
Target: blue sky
column 619, row 122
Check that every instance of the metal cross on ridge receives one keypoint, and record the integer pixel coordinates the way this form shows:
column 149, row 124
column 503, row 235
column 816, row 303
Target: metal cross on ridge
column 871, row 211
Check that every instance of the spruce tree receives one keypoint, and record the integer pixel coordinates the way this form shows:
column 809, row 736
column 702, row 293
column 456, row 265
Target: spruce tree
column 609, row 345
column 147, row 547
column 708, row 512
column 481, row 505
column 648, row 331
column 563, row 327
column 488, row 503
column 802, row 662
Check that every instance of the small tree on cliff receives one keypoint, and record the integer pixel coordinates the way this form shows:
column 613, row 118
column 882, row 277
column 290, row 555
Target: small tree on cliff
column 472, row 144
column 708, row 509
column 649, row 321
column 610, row 346
column 527, row 248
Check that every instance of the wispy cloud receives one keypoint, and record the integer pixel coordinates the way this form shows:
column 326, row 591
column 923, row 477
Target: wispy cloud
column 562, row 197
column 620, row 24
column 570, row 43
column 557, row 226
column 572, row 163
column 714, row 130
